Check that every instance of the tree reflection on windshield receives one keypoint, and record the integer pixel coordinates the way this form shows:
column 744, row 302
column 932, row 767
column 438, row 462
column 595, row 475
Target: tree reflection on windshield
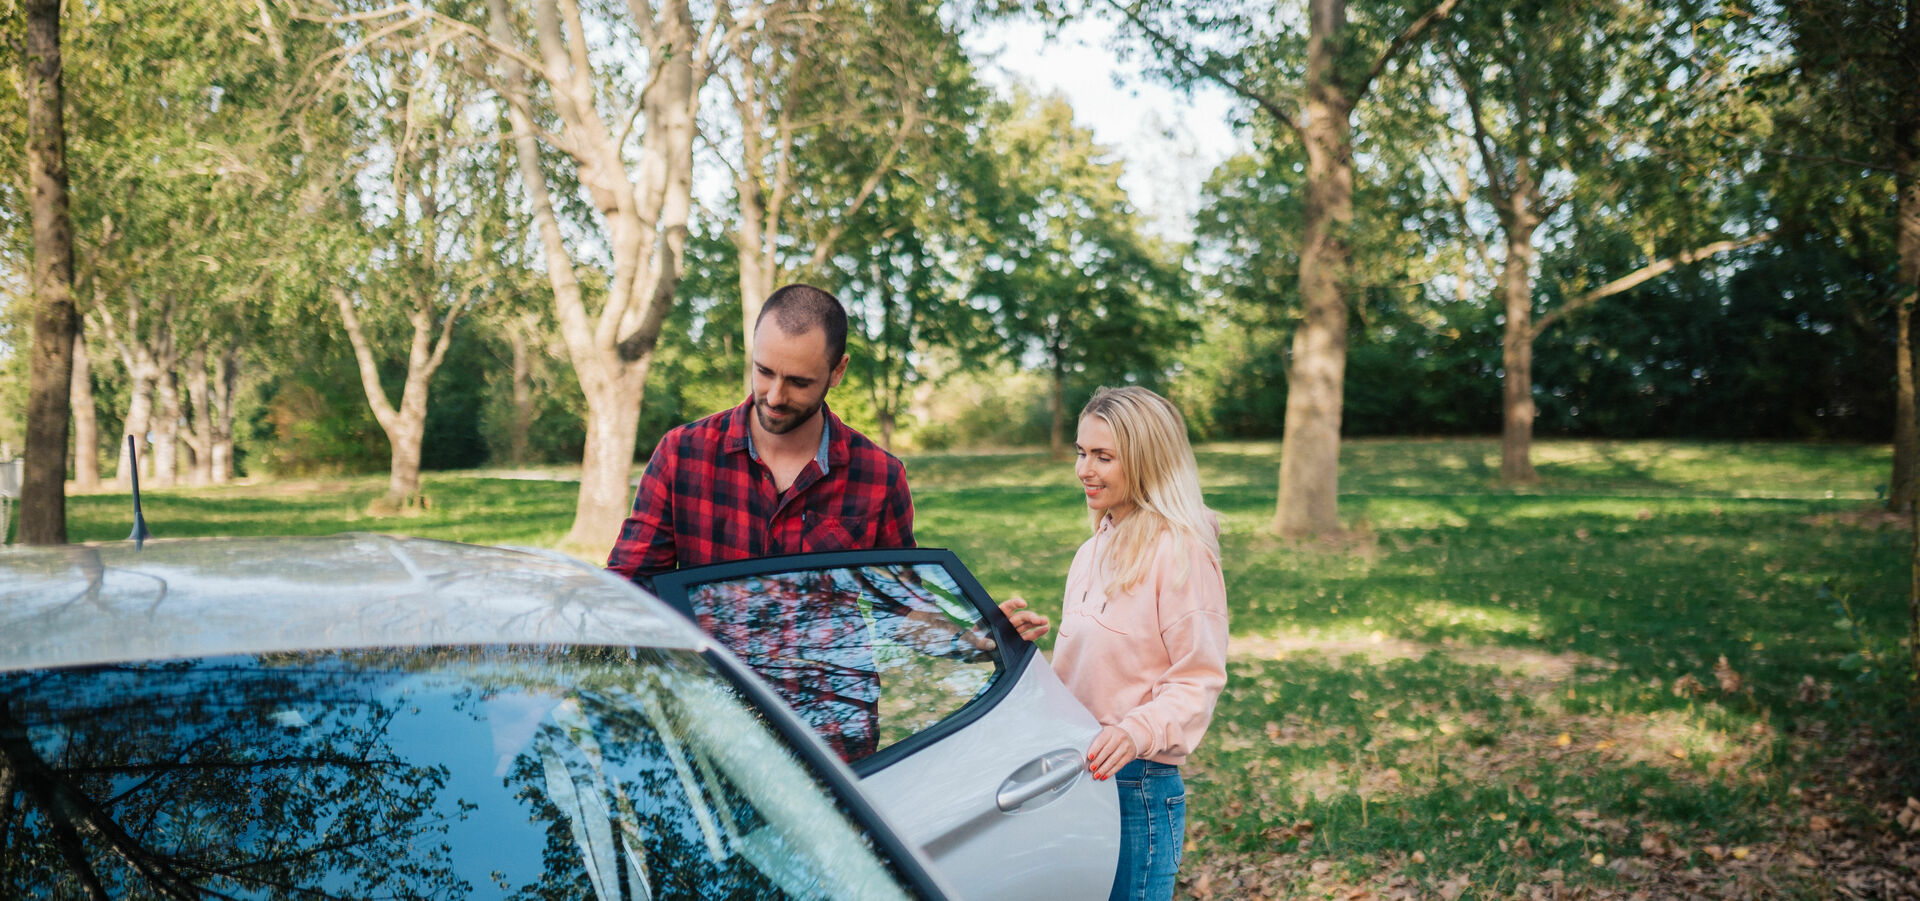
column 538, row 773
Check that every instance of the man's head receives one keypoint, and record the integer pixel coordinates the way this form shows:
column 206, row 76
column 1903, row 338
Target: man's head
column 799, row 351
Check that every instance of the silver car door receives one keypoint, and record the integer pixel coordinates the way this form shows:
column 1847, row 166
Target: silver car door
column 964, row 738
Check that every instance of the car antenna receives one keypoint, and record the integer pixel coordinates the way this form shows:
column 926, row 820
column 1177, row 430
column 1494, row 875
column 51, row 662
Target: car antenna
column 140, row 533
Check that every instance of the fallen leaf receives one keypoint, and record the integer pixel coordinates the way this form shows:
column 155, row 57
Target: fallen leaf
column 1715, row 852
column 1419, row 857
column 1678, row 753
column 1729, row 680
column 1565, row 739
column 1602, row 745
column 1687, row 686
column 1598, row 859
column 1813, row 691
column 1741, row 853
column 1820, row 824
column 1804, row 860
column 1452, row 889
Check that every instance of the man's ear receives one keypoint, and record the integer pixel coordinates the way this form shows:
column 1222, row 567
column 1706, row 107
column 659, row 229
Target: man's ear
column 839, row 372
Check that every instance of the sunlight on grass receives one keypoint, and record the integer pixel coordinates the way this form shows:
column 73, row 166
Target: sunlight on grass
column 1507, row 682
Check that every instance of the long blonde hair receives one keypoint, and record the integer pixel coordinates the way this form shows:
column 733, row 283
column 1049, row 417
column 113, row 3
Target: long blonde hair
column 1160, row 478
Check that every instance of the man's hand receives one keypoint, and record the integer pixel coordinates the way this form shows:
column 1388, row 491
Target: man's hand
column 1112, row 749
column 1028, row 624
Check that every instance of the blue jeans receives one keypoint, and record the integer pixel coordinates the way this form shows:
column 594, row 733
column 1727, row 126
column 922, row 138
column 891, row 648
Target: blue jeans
column 1153, row 827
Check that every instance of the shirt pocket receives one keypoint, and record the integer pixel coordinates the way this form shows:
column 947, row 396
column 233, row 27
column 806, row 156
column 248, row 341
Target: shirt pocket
column 834, row 533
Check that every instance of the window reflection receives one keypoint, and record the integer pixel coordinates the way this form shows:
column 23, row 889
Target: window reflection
column 867, row 655
column 603, row 773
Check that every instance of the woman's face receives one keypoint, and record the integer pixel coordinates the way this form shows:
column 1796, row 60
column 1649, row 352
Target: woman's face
column 1098, row 466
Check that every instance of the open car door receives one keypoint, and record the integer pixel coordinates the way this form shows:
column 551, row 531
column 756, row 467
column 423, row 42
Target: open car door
column 961, row 733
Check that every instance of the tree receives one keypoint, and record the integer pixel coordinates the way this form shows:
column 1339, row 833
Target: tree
column 1070, row 280
column 433, row 256
column 1845, row 98
column 1553, row 96
column 1310, row 89
column 56, row 324
column 828, row 100
column 554, row 95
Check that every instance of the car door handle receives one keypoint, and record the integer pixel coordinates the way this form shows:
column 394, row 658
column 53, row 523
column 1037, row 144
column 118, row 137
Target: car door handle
column 1048, row 775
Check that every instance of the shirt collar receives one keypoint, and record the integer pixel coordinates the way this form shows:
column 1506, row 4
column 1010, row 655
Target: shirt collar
column 823, row 456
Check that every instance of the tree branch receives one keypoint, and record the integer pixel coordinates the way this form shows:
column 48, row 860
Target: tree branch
column 1400, row 43
column 1272, row 107
column 1642, row 275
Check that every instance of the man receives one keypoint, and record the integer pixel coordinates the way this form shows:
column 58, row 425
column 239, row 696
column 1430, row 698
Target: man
column 780, row 474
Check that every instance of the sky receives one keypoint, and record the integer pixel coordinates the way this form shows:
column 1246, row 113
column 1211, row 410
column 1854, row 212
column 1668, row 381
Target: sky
column 1168, row 140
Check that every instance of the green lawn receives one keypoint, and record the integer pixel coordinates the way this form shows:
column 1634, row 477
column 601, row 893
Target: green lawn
column 1476, row 692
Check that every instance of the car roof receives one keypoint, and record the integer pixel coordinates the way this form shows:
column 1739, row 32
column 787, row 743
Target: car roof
column 90, row 604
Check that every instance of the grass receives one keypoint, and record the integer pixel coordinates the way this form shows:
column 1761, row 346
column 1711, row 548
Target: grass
column 1477, row 691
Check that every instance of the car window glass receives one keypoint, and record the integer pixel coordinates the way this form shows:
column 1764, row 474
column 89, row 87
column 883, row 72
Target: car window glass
column 867, row 655
column 499, row 772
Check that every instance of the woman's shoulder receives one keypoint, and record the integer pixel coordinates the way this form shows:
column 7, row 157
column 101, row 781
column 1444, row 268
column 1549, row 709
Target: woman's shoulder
column 1173, row 545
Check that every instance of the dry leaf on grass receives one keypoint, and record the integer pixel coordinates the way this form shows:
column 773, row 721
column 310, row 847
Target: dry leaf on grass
column 1730, row 681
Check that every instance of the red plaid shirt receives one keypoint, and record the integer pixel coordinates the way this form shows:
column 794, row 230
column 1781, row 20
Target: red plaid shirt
column 705, row 498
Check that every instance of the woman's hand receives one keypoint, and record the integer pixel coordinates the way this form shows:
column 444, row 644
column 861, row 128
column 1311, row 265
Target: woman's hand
column 1029, row 624
column 1112, row 749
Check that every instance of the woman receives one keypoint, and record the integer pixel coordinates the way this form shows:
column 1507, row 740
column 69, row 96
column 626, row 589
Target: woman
column 1143, row 636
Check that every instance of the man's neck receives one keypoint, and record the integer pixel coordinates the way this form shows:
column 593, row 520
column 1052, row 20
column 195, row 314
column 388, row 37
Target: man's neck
column 802, row 442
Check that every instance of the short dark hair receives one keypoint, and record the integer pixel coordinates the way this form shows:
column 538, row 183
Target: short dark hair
column 799, row 308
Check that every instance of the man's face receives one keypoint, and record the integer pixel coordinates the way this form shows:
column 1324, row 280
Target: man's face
column 791, row 375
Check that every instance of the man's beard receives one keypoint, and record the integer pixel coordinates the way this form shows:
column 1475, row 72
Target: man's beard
column 792, row 422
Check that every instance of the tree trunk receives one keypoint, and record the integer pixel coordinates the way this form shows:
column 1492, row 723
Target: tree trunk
column 1519, row 221
column 606, row 494
column 406, row 425
column 166, row 428
column 1310, row 446
column 1057, row 410
column 756, row 266
column 645, row 234
column 519, row 334
column 1901, row 488
column 136, row 425
column 86, row 420
column 43, row 490
column 225, row 381
column 1906, row 431
column 199, row 432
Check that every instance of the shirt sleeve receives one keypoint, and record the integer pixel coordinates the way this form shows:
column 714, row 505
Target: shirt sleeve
column 1193, row 617
column 646, row 547
column 896, row 517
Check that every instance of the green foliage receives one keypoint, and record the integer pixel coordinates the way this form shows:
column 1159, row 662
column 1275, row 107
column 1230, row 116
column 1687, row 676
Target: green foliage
column 1410, row 691
column 1071, row 283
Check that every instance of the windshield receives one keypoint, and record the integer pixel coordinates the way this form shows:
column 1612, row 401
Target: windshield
column 516, row 772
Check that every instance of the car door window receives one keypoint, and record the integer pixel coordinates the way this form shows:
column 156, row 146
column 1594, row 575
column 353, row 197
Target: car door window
column 870, row 653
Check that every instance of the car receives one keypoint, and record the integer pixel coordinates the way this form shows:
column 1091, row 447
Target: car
column 366, row 715
column 369, row 716
column 960, row 731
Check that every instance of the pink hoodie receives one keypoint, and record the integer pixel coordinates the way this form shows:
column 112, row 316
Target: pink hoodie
column 1151, row 660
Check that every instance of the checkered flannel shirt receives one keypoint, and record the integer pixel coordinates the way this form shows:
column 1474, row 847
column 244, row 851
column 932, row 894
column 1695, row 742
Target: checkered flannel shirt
column 707, row 498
